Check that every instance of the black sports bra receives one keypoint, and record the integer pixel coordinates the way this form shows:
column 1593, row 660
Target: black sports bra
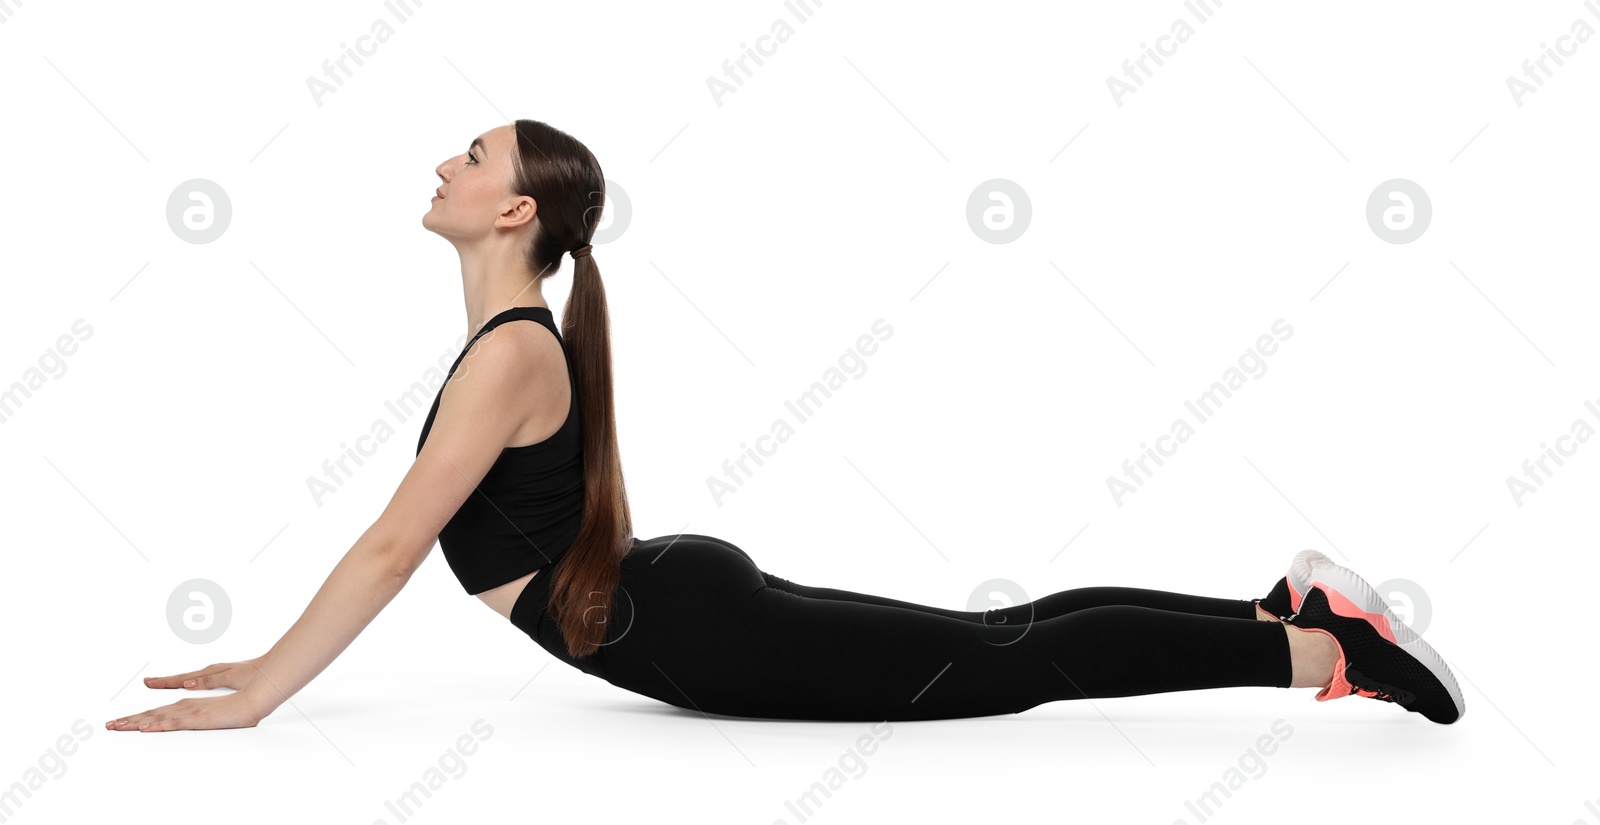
column 527, row 509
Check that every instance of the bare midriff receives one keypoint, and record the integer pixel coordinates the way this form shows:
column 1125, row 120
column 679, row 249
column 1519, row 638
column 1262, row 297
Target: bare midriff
column 501, row 599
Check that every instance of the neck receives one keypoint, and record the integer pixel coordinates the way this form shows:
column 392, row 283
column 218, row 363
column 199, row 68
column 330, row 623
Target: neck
column 494, row 280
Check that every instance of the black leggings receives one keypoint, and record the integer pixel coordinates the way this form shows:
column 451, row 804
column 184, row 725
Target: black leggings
column 698, row 625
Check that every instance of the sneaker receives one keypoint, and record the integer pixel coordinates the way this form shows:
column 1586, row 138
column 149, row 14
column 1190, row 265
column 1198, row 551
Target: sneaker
column 1281, row 602
column 1300, row 572
column 1379, row 657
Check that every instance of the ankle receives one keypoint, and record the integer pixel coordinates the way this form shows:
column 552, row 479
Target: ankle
column 1313, row 654
column 1264, row 616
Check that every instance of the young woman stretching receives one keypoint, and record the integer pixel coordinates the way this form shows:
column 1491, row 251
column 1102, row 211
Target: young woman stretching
column 518, row 479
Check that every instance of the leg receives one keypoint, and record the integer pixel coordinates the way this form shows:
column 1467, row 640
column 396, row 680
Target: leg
column 704, row 631
column 874, row 661
column 1046, row 607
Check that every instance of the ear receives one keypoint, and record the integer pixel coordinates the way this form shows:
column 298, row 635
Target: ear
column 516, row 212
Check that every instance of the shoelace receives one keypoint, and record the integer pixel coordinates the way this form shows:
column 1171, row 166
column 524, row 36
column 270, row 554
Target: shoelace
column 1373, row 689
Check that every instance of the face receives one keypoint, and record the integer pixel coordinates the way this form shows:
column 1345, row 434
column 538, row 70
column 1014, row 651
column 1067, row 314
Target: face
column 476, row 189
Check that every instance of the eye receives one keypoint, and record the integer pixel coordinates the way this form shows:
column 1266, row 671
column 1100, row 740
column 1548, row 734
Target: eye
column 472, row 158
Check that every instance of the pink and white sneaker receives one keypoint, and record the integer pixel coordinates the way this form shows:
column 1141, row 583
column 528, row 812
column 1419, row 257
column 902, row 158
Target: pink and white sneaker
column 1379, row 656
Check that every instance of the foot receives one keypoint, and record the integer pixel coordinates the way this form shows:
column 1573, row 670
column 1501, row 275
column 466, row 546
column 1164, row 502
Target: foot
column 1379, row 657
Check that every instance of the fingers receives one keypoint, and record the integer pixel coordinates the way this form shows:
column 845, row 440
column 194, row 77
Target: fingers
column 180, row 680
column 160, row 723
column 209, row 713
column 155, row 723
column 150, row 718
column 207, row 678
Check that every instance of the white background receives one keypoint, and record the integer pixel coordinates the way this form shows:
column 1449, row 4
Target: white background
column 767, row 234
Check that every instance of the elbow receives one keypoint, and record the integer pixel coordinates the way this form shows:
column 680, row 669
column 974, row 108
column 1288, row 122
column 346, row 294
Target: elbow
column 395, row 560
column 402, row 565
column 393, row 551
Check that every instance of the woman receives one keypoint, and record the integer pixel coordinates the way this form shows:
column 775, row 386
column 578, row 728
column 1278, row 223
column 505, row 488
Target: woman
column 518, row 479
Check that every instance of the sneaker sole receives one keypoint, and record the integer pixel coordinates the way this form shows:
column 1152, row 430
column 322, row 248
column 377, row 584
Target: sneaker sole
column 1300, row 576
column 1350, row 596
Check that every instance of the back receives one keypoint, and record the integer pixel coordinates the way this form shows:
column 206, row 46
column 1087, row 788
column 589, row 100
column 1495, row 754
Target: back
column 528, row 508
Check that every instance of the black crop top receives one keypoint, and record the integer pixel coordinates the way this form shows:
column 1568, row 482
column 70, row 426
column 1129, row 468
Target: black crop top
column 527, row 509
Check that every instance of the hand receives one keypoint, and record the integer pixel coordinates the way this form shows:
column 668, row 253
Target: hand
column 195, row 713
column 234, row 675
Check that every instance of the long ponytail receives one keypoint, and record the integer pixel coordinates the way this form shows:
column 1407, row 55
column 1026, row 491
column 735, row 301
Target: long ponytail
column 565, row 181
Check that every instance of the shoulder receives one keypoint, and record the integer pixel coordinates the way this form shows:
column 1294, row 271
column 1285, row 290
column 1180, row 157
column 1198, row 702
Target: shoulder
column 506, row 365
column 513, row 353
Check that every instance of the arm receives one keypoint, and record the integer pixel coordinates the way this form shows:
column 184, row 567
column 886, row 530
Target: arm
column 479, row 412
column 482, row 406
column 363, row 582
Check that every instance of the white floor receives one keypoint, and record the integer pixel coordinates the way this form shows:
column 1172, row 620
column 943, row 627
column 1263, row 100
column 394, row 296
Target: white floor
column 443, row 738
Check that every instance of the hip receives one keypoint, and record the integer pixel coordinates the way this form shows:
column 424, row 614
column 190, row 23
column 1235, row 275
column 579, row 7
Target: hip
column 668, row 585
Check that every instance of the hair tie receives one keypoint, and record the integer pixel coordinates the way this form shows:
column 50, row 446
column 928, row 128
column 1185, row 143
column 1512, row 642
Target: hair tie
column 581, row 252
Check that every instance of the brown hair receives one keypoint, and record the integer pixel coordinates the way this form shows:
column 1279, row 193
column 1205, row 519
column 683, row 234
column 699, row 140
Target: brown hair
column 564, row 179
